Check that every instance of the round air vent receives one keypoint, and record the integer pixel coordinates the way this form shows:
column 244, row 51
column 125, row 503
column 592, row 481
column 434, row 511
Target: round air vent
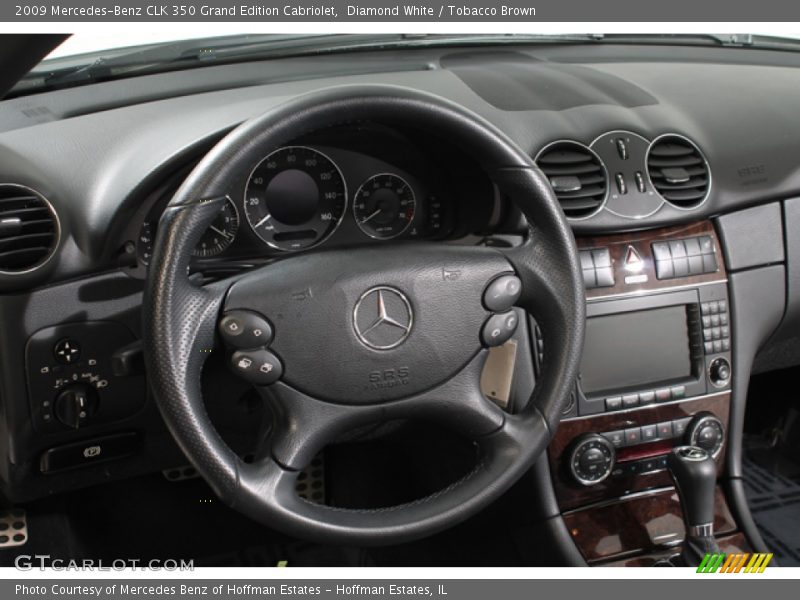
column 577, row 175
column 678, row 171
column 29, row 229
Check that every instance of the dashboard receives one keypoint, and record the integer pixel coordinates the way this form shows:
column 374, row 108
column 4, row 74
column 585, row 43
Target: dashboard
column 676, row 167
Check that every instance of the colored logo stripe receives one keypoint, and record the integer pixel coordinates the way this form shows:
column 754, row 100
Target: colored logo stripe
column 734, row 563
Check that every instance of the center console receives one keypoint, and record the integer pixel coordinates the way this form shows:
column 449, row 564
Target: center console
column 656, row 373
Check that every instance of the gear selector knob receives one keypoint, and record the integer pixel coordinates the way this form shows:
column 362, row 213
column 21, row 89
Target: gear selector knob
column 695, row 475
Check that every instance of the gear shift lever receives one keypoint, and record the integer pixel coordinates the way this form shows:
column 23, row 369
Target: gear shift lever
column 695, row 475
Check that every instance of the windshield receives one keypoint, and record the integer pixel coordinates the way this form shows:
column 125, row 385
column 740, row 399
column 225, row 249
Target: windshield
column 87, row 58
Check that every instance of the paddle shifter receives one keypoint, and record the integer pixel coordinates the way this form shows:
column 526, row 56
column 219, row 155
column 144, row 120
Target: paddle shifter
column 695, row 475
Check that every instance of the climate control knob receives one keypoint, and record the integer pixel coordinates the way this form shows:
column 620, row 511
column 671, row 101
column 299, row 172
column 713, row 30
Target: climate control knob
column 75, row 404
column 591, row 459
column 706, row 431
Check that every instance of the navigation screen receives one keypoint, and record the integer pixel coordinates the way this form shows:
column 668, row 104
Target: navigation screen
column 636, row 349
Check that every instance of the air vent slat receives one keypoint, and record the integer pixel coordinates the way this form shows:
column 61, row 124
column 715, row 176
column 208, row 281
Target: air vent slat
column 29, row 231
column 679, row 196
column 564, row 158
column 585, row 192
column 691, row 184
column 668, row 149
column 577, row 176
column 583, row 169
column 692, row 171
column 678, row 161
column 23, row 199
column 578, row 204
column 21, row 212
column 679, row 171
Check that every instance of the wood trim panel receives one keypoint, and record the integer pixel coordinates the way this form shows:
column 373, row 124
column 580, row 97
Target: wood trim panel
column 572, row 495
column 729, row 544
column 638, row 524
column 618, row 247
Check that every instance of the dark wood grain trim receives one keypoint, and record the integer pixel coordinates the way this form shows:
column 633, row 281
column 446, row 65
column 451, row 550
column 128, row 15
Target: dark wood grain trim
column 729, row 544
column 641, row 241
column 639, row 524
column 572, row 495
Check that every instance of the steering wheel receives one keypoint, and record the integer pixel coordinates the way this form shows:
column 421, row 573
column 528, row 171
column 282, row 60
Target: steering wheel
column 322, row 369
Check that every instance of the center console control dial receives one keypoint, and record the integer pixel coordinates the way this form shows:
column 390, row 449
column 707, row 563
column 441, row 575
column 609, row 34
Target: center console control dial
column 591, row 459
column 707, row 432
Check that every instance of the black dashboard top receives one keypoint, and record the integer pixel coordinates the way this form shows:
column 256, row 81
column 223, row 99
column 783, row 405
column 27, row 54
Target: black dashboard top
column 101, row 153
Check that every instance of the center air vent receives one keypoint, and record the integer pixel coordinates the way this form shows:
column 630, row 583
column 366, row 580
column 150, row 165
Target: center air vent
column 678, row 171
column 577, row 176
column 28, row 229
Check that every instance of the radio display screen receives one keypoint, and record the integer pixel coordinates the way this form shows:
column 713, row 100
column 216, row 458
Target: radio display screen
column 636, row 349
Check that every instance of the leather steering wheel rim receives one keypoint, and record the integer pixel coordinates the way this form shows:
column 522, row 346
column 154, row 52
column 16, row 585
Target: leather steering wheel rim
column 180, row 320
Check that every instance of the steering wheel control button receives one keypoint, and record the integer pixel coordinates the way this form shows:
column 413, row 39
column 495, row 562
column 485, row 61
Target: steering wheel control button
column 502, row 293
column 259, row 367
column 245, row 329
column 67, row 351
column 498, row 329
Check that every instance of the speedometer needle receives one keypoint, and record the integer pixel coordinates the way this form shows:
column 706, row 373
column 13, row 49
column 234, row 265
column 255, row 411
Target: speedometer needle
column 373, row 215
column 262, row 221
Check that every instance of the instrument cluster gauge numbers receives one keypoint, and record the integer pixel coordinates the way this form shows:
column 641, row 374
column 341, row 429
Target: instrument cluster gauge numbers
column 384, row 206
column 144, row 243
column 295, row 198
column 221, row 233
column 434, row 220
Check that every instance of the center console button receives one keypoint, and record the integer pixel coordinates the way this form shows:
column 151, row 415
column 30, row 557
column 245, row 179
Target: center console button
column 617, row 438
column 661, row 251
column 678, row 392
column 601, row 257
column 679, row 426
column 648, row 433
column 663, row 395
column 630, row 400
column 692, row 246
column 502, row 293
column 633, row 436
column 614, row 403
column 664, row 430
column 646, row 398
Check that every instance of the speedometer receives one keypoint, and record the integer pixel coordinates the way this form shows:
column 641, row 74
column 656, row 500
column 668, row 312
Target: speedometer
column 295, row 198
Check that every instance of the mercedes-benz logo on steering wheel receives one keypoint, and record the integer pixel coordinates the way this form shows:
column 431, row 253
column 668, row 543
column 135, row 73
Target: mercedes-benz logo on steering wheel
column 382, row 318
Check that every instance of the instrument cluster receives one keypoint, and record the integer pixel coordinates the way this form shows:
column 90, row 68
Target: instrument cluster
column 301, row 196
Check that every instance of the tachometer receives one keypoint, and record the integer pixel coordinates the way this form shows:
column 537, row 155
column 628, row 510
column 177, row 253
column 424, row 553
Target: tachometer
column 295, row 198
column 384, row 206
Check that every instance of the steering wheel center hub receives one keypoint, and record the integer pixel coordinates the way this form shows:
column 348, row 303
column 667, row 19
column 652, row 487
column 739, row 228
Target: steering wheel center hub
column 373, row 325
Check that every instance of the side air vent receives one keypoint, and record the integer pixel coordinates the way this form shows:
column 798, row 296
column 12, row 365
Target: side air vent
column 678, row 171
column 28, row 229
column 577, row 175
